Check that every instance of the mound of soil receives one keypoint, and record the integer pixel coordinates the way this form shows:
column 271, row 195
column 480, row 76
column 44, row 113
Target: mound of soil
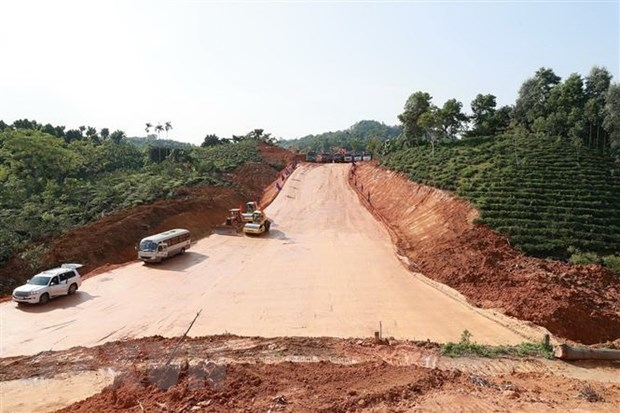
column 435, row 231
column 240, row 374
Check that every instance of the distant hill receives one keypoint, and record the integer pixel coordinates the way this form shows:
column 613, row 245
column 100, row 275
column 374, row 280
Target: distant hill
column 364, row 135
column 552, row 198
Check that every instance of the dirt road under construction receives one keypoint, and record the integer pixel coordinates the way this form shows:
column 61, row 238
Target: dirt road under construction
column 327, row 268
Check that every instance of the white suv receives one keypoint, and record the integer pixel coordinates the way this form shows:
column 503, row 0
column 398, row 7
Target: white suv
column 49, row 284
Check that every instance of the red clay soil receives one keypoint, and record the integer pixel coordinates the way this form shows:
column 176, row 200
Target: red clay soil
column 435, row 231
column 111, row 240
column 432, row 228
column 241, row 374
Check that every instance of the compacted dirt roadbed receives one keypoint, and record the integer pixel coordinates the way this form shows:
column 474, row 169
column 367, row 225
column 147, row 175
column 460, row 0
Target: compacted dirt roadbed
column 327, row 268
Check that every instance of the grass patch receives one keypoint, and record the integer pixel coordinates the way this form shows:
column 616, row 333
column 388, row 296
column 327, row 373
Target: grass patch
column 467, row 347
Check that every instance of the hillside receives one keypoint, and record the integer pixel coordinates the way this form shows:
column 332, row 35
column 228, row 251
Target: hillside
column 363, row 135
column 90, row 202
column 552, row 198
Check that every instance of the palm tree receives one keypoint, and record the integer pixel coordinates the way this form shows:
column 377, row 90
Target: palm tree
column 148, row 127
column 159, row 129
column 167, row 127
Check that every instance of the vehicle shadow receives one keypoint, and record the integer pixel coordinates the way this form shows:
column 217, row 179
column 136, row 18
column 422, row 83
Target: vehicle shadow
column 179, row 262
column 58, row 303
column 273, row 234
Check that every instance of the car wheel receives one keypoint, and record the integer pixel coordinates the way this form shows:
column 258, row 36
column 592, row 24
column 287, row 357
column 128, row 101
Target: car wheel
column 72, row 289
column 267, row 226
column 182, row 250
column 44, row 298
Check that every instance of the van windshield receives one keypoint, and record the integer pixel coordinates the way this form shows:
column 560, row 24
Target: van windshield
column 39, row 280
column 148, row 246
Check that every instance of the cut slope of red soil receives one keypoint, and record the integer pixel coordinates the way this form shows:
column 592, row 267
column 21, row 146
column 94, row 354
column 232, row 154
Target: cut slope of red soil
column 435, row 230
column 112, row 239
column 432, row 228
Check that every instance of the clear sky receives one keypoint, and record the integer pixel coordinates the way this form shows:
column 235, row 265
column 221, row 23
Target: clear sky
column 290, row 68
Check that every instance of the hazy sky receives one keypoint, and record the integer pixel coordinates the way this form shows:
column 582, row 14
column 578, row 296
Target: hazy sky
column 291, row 68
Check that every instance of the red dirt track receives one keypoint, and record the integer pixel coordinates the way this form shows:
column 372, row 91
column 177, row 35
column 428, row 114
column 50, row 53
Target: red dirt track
column 433, row 233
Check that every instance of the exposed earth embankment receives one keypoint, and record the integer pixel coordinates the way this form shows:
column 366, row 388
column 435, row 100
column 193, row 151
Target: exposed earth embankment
column 436, row 232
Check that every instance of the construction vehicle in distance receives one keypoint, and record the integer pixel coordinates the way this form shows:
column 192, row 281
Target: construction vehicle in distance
column 233, row 224
column 259, row 224
column 250, row 207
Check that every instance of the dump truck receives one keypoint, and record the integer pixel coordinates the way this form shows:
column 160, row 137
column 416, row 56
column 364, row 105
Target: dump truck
column 259, row 224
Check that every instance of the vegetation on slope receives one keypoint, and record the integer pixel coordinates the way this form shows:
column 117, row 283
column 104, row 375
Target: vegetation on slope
column 545, row 172
column 364, row 135
column 551, row 199
column 50, row 184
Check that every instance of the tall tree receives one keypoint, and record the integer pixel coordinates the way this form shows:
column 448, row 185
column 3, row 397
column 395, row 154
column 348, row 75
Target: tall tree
column 211, row 140
column 611, row 121
column 167, row 127
column 451, row 119
column 483, row 113
column 105, row 133
column 430, row 124
column 531, row 104
column 417, row 104
column 597, row 84
column 117, row 136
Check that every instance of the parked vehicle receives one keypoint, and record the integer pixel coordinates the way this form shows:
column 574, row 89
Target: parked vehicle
column 158, row 247
column 48, row 284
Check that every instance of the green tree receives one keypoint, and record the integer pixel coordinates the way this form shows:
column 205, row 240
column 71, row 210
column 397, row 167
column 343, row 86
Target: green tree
column 211, row 140
column 117, row 136
column 430, row 123
column 611, row 121
column 105, row 133
column 159, row 129
column 596, row 86
column 73, row 135
column 451, row 119
column 531, row 105
column 91, row 134
column 167, row 127
column 417, row 104
column 37, row 155
column 483, row 114
column 26, row 124
column 565, row 109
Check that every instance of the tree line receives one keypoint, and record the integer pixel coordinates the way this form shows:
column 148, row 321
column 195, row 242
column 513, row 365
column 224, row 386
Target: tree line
column 583, row 110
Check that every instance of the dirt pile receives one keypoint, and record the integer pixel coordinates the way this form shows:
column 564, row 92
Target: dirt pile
column 242, row 374
column 435, row 230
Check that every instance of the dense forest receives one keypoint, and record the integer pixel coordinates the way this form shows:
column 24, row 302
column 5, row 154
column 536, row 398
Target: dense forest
column 52, row 180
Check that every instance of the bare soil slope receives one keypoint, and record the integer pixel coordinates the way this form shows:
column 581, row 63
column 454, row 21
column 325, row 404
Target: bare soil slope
column 112, row 239
column 435, row 230
column 229, row 373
